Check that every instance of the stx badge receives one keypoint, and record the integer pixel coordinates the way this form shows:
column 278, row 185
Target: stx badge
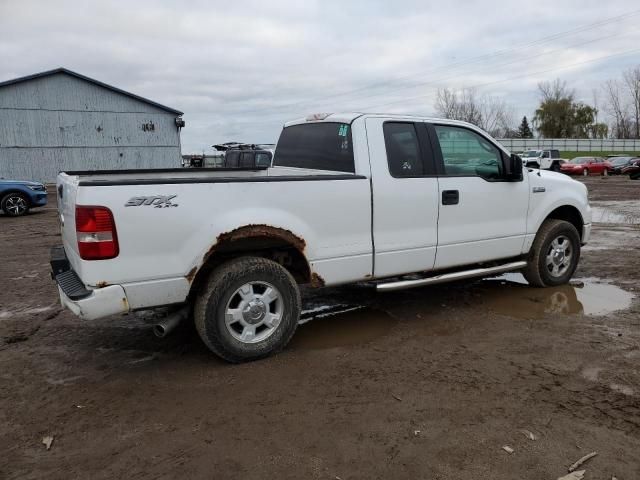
column 158, row 201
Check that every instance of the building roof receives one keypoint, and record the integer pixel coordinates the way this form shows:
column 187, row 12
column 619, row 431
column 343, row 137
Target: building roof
column 90, row 80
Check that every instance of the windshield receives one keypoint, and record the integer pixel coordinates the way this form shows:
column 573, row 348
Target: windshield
column 581, row 160
column 531, row 153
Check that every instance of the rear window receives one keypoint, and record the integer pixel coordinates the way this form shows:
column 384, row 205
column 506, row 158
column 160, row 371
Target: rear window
column 318, row 146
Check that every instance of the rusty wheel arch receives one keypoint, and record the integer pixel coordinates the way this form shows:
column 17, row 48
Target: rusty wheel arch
column 275, row 243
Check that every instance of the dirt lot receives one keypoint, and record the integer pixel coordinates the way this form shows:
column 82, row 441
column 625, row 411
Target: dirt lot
column 429, row 383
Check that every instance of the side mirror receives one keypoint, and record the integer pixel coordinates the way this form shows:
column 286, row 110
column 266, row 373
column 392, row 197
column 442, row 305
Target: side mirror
column 513, row 168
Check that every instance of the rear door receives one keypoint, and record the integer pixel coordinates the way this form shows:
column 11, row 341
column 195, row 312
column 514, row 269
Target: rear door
column 482, row 216
column 405, row 194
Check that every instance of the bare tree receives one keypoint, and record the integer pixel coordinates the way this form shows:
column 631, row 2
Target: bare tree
column 632, row 83
column 617, row 109
column 489, row 113
column 555, row 91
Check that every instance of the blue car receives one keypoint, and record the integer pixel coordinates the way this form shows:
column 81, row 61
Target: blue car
column 17, row 197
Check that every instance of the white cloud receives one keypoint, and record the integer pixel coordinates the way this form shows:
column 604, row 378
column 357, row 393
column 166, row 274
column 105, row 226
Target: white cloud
column 240, row 69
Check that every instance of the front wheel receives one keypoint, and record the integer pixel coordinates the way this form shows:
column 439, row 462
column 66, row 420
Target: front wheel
column 15, row 204
column 248, row 309
column 554, row 256
column 585, row 172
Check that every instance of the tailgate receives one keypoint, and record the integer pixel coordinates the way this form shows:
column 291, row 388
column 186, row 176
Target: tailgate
column 67, row 189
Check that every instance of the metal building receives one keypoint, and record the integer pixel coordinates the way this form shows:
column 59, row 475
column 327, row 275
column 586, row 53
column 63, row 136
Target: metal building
column 61, row 120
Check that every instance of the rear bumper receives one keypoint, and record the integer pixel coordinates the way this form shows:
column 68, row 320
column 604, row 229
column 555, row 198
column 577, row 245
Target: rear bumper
column 88, row 304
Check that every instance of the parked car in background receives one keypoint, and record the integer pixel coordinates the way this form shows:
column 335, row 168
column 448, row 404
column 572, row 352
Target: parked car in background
column 618, row 163
column 17, row 197
column 633, row 169
column 545, row 159
column 586, row 166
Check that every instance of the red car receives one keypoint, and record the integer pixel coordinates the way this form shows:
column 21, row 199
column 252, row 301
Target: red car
column 633, row 170
column 586, row 166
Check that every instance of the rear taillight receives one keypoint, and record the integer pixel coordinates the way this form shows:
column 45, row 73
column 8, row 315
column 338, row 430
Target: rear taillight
column 96, row 232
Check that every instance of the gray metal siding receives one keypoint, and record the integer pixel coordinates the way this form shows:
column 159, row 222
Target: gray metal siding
column 64, row 123
column 43, row 164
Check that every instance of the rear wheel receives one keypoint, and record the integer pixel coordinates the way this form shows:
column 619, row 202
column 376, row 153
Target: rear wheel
column 248, row 309
column 554, row 256
column 15, row 204
column 555, row 167
column 585, row 172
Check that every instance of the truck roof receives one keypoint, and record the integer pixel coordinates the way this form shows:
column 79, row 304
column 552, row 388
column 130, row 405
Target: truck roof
column 349, row 117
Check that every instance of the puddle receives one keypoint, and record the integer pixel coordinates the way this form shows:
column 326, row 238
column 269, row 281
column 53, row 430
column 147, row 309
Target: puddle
column 591, row 373
column 325, row 325
column 23, row 311
column 616, row 212
column 624, row 389
column 354, row 325
column 514, row 297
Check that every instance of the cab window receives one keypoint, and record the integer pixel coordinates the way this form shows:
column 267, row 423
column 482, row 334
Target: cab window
column 403, row 149
column 466, row 153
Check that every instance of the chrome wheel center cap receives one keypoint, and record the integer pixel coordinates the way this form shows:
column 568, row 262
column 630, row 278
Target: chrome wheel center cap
column 254, row 312
column 558, row 256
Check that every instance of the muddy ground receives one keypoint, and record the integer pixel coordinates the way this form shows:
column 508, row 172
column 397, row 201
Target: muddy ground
column 429, row 383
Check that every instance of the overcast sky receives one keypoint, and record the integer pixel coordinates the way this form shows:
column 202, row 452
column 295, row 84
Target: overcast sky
column 240, row 69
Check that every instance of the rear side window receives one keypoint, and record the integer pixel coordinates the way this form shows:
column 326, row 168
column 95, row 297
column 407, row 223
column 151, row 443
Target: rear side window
column 318, row 146
column 231, row 159
column 246, row 160
column 403, row 149
column 263, row 159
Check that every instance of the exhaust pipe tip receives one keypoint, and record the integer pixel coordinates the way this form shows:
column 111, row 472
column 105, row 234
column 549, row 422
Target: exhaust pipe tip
column 169, row 323
column 159, row 331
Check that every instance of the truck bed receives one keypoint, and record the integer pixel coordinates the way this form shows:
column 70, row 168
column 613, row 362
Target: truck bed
column 166, row 176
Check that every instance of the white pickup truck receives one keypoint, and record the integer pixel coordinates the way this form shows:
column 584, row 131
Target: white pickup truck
column 399, row 201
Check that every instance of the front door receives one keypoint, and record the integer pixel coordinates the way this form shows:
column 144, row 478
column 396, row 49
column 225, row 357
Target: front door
column 481, row 215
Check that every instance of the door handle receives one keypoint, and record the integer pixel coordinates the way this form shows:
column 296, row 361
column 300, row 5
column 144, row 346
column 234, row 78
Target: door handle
column 450, row 197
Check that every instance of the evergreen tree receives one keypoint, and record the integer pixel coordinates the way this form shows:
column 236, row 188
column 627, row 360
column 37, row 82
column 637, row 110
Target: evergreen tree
column 524, row 131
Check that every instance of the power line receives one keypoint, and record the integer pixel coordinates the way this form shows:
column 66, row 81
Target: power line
column 468, row 61
column 528, row 74
column 493, row 67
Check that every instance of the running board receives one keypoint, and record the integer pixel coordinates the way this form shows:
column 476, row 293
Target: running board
column 449, row 277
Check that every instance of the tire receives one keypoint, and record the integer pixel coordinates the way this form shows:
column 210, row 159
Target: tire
column 552, row 233
column 634, row 176
column 585, row 172
column 555, row 167
column 15, row 204
column 237, row 290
